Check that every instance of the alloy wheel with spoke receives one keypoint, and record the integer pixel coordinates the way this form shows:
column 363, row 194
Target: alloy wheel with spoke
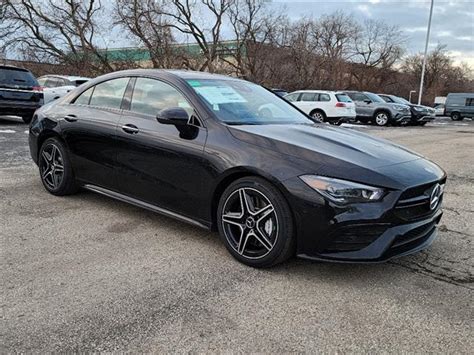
column 381, row 119
column 250, row 223
column 318, row 115
column 52, row 166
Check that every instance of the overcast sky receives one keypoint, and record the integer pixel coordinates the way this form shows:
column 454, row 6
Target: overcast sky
column 453, row 21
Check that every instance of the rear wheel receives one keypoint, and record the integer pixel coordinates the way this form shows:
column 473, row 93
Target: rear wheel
column 456, row 116
column 255, row 223
column 55, row 168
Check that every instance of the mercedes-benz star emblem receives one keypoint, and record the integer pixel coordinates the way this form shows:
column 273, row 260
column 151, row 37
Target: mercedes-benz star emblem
column 435, row 196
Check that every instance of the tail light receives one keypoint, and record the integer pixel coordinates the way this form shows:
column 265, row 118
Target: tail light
column 37, row 88
column 340, row 104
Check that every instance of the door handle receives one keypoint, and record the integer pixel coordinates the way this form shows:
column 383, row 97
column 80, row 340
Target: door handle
column 130, row 128
column 71, row 118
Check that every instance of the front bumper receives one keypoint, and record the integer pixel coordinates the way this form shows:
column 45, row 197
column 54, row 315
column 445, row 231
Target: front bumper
column 395, row 242
column 402, row 117
column 401, row 224
column 18, row 108
column 424, row 118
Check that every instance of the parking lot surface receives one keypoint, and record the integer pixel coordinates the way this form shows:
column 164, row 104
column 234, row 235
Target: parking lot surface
column 87, row 273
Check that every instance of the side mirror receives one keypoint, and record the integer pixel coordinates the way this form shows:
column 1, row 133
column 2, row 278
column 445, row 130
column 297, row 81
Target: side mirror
column 175, row 115
column 367, row 101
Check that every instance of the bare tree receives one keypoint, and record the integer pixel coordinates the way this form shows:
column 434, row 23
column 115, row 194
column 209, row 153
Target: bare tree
column 254, row 27
column 145, row 21
column 62, row 32
column 376, row 46
column 441, row 76
column 185, row 16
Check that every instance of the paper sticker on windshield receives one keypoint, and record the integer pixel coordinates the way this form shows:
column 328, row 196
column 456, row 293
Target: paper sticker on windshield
column 219, row 94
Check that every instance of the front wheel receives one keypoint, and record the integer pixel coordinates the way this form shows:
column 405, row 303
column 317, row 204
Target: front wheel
column 456, row 116
column 255, row 223
column 318, row 115
column 381, row 118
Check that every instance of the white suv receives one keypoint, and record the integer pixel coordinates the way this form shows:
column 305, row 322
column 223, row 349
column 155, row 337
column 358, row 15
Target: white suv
column 327, row 106
column 56, row 86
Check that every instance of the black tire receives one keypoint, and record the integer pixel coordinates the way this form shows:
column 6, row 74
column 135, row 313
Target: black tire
column 49, row 168
column 456, row 116
column 276, row 228
column 318, row 115
column 27, row 118
column 422, row 123
column 381, row 118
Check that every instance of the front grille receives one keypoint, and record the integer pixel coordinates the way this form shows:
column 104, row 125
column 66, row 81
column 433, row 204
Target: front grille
column 414, row 203
column 354, row 238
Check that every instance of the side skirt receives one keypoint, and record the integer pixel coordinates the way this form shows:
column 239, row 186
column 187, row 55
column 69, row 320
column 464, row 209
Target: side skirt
column 138, row 203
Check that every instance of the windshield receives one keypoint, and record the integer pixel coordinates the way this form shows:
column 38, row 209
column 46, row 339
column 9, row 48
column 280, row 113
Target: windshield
column 374, row 98
column 239, row 102
column 401, row 100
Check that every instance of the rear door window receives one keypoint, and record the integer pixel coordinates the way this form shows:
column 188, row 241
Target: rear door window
column 356, row 96
column 109, row 94
column 308, row 96
column 470, row 101
column 324, row 97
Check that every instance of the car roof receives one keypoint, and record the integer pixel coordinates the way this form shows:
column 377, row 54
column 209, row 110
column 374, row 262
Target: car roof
column 318, row 91
column 12, row 67
column 162, row 73
column 461, row 94
column 67, row 77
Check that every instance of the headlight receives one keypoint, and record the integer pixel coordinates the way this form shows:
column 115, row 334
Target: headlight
column 419, row 109
column 399, row 107
column 341, row 191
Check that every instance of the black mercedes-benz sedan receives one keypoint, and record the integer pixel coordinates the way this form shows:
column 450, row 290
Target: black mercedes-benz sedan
column 229, row 155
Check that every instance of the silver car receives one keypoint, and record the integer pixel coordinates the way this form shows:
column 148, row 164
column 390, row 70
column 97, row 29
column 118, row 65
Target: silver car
column 372, row 108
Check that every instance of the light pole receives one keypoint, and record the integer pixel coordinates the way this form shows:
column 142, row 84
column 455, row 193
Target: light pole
column 420, row 93
column 409, row 96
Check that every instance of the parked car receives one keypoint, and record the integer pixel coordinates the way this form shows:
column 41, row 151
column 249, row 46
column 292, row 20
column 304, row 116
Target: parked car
column 280, row 92
column 459, row 105
column 55, row 86
column 420, row 115
column 197, row 147
column 372, row 108
column 325, row 106
column 439, row 109
column 20, row 93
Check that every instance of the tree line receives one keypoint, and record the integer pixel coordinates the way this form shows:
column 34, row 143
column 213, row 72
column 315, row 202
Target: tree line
column 333, row 51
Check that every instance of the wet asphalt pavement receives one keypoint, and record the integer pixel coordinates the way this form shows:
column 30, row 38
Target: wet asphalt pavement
column 87, row 273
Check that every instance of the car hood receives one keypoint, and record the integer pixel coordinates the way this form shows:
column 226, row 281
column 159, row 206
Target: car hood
column 340, row 152
column 301, row 140
column 422, row 107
